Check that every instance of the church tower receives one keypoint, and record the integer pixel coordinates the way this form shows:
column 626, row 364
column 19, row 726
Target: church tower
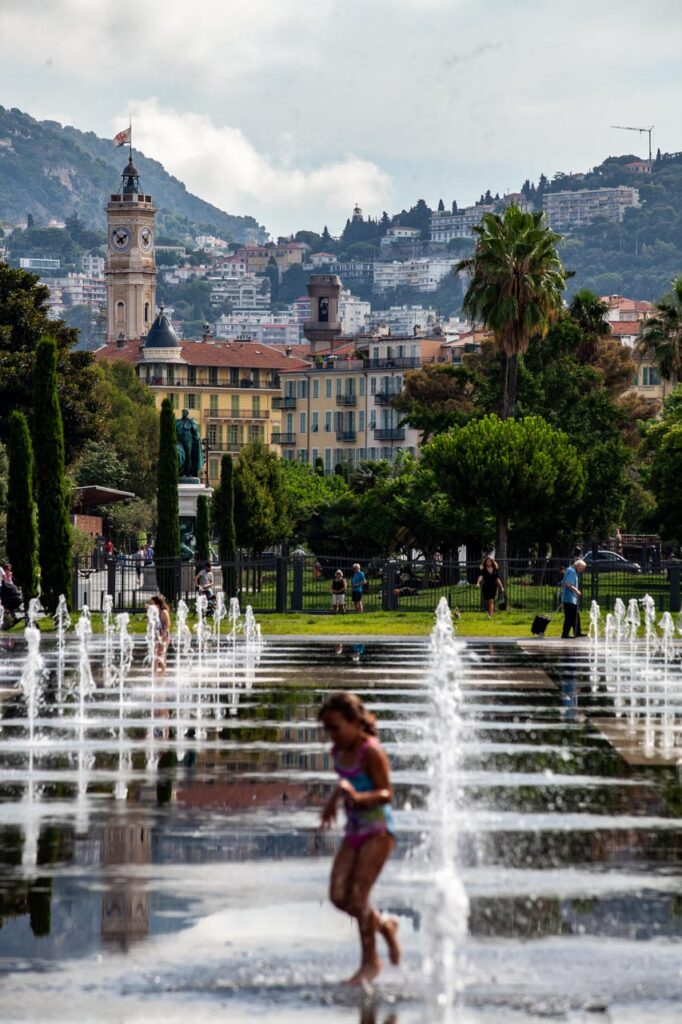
column 131, row 266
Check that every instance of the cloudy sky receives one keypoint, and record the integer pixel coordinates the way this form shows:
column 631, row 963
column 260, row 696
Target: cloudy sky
column 293, row 110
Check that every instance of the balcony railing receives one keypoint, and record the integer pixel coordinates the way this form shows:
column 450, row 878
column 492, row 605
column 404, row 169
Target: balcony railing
column 385, row 397
column 239, row 414
column 284, row 402
column 277, row 437
column 166, row 382
column 389, row 433
column 345, row 435
column 347, row 400
column 395, row 362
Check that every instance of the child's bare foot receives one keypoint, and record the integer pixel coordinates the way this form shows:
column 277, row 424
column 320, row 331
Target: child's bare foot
column 389, row 930
column 366, row 974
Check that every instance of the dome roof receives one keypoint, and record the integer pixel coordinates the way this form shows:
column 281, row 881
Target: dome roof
column 131, row 169
column 161, row 334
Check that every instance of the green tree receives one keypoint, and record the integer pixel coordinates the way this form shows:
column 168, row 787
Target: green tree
column 261, row 512
column 168, row 516
column 590, row 314
column 24, row 320
column 99, row 463
column 203, row 538
column 661, row 337
column 662, row 449
column 516, row 284
column 521, row 471
column 308, row 492
column 437, row 397
column 54, row 531
column 224, row 523
column 132, row 426
column 22, row 542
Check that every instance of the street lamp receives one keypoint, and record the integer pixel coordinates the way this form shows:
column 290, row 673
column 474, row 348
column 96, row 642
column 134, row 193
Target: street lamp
column 206, row 449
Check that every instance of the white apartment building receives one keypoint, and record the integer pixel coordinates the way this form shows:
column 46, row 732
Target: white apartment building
column 566, row 210
column 402, row 320
column 211, row 244
column 78, row 290
column 354, row 313
column 249, row 292
column 399, row 234
column 92, row 265
column 266, row 328
column 38, row 263
column 319, row 259
column 447, row 225
column 424, row 275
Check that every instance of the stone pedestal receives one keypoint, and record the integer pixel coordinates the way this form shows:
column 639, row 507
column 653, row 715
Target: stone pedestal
column 188, row 492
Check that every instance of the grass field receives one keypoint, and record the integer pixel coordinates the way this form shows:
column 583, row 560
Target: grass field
column 399, row 623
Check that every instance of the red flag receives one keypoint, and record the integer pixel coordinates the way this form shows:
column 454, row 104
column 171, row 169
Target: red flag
column 122, row 138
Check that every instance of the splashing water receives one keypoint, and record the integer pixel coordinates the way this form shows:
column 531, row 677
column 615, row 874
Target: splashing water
column 446, row 906
column 86, row 683
column 153, row 635
column 595, row 616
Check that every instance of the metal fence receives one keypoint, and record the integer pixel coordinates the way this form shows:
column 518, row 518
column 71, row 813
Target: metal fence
column 302, row 583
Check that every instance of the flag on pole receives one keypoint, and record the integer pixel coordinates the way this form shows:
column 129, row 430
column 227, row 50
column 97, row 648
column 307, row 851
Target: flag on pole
column 122, row 138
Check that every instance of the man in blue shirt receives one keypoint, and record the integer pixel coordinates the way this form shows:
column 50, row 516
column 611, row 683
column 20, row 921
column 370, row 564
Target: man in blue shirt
column 569, row 597
column 357, row 587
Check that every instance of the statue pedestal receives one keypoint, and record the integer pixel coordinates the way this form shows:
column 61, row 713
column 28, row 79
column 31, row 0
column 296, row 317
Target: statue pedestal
column 188, row 492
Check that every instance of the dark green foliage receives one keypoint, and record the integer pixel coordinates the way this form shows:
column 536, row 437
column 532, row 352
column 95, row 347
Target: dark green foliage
column 261, row 508
column 203, row 539
column 24, row 321
column 223, row 517
column 22, row 539
column 54, row 530
column 662, row 448
column 168, row 522
column 319, row 466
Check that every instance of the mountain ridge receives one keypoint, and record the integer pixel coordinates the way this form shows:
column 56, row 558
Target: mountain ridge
column 52, row 171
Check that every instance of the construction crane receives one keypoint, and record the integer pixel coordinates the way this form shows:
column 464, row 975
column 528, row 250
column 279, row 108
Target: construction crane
column 626, row 128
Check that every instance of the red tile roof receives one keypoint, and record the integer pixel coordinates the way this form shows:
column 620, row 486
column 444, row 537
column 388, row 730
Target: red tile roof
column 621, row 328
column 216, row 353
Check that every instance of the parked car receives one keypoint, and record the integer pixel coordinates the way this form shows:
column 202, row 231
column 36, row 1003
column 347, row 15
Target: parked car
column 610, row 561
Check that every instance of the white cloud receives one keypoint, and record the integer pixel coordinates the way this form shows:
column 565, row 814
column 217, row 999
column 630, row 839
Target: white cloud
column 165, row 40
column 221, row 164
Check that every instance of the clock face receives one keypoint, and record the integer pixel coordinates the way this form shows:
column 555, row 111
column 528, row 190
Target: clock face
column 120, row 239
column 145, row 239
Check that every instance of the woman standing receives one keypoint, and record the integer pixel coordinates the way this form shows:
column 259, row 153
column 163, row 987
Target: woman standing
column 489, row 581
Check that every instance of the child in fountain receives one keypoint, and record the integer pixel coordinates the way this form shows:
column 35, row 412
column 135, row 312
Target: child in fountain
column 365, row 788
column 161, row 649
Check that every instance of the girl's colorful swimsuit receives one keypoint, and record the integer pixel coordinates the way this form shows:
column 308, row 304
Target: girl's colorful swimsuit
column 363, row 822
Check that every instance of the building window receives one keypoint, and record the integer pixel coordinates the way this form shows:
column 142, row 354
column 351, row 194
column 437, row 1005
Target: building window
column 302, row 388
column 327, row 421
column 213, row 375
column 339, row 382
column 120, row 311
column 146, row 312
column 234, row 405
column 190, row 401
column 361, row 420
column 314, row 455
column 170, row 374
column 328, row 388
column 372, row 385
column 302, row 455
column 316, row 387
column 327, row 460
column 301, row 423
column 362, row 387
column 234, row 376
column 375, row 352
column 213, row 405
column 255, row 377
column 212, row 436
column 191, row 374
column 256, row 405
column 314, row 422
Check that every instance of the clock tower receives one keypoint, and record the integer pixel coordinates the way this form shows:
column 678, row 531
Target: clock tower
column 131, row 267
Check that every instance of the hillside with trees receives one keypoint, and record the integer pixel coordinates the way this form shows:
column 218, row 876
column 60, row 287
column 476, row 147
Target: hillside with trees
column 53, row 172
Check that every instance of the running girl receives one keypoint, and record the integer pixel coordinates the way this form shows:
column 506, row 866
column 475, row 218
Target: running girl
column 161, row 649
column 366, row 791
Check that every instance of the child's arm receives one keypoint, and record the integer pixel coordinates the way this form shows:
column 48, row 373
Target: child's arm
column 377, row 767
column 329, row 809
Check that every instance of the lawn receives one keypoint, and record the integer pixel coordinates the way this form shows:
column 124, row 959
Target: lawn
column 399, row 623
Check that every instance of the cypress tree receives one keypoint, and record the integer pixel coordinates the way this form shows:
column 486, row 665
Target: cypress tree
column 203, row 539
column 319, row 466
column 54, row 530
column 22, row 537
column 226, row 528
column 168, row 516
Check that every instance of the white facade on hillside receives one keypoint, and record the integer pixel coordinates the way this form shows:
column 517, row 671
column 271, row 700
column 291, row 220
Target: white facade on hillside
column 446, row 225
column 566, row 210
column 353, row 312
column 424, row 275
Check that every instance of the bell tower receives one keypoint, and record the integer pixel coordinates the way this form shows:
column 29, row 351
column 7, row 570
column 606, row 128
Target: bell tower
column 131, row 266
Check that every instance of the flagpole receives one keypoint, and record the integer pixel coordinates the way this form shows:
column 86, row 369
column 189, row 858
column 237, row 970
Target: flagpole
column 130, row 139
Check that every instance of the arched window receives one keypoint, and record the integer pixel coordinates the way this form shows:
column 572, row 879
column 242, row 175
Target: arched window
column 120, row 310
column 146, row 312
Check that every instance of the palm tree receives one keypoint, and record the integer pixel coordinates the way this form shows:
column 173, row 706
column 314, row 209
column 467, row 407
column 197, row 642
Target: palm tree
column 515, row 287
column 661, row 338
column 590, row 314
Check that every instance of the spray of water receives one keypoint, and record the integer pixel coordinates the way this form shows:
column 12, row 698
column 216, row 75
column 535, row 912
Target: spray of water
column 446, row 906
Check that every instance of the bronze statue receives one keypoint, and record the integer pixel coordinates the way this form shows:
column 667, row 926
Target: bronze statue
column 188, row 441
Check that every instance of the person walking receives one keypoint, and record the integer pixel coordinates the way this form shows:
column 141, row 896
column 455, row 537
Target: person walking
column 570, row 595
column 357, row 587
column 489, row 581
column 338, row 593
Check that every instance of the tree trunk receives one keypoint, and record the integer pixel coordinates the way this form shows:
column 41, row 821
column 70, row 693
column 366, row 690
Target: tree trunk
column 501, row 546
column 512, row 373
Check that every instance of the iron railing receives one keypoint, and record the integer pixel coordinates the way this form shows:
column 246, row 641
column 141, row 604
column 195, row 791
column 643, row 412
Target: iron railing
column 300, row 582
